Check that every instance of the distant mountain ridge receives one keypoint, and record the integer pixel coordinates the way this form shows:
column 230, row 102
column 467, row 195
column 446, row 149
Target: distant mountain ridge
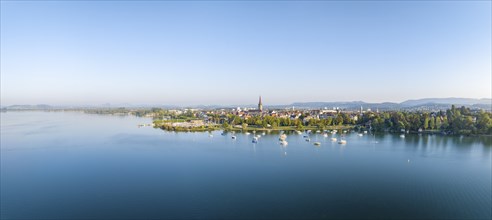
column 429, row 103
column 455, row 101
column 426, row 103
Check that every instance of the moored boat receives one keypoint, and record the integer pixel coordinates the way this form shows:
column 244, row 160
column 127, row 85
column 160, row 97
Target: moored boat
column 282, row 137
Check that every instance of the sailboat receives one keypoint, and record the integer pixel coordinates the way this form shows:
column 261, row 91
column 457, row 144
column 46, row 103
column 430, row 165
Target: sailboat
column 316, row 142
column 282, row 137
column 342, row 140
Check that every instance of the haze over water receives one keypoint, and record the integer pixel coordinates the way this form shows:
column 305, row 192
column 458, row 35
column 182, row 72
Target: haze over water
column 62, row 165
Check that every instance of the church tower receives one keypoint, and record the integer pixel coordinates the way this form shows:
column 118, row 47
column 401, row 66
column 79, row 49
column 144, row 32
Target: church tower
column 260, row 105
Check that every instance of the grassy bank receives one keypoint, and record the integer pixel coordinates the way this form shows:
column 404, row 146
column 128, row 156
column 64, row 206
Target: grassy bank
column 168, row 127
column 289, row 128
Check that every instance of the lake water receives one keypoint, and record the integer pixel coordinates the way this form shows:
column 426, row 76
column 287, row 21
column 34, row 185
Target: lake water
column 65, row 165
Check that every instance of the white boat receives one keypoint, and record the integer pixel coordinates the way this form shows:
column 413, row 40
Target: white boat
column 344, row 131
column 333, row 139
column 263, row 133
column 365, row 132
column 282, row 137
column 402, row 135
column 233, row 137
column 210, row 135
column 258, row 136
column 247, row 133
column 284, row 143
column 318, row 131
column 317, row 143
column 255, row 140
column 342, row 142
column 325, row 135
column 299, row 132
column 360, row 135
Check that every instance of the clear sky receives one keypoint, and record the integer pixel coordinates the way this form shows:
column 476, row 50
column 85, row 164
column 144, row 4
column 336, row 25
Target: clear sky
column 217, row 52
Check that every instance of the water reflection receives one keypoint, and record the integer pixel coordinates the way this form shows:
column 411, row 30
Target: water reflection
column 122, row 167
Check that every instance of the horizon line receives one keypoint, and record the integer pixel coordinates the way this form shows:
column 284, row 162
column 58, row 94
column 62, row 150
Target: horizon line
column 228, row 105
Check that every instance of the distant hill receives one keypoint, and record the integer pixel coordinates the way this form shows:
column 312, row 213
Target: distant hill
column 451, row 101
column 416, row 104
column 29, row 107
column 345, row 105
column 427, row 103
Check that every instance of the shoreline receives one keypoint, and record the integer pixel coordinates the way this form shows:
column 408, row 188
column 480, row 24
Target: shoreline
column 247, row 129
column 312, row 128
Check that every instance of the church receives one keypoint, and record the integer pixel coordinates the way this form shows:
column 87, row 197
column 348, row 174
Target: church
column 257, row 111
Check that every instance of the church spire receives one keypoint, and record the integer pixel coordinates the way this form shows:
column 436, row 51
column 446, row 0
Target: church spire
column 260, row 105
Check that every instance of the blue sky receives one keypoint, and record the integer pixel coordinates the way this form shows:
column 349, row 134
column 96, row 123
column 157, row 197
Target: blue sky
column 218, row 52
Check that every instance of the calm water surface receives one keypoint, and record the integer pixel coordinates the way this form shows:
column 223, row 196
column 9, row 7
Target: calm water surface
column 74, row 165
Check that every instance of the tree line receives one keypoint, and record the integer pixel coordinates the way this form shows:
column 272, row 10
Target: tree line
column 452, row 121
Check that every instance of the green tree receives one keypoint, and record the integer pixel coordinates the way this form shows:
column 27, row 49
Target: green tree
column 438, row 122
column 432, row 124
column 264, row 124
column 426, row 123
column 338, row 120
column 226, row 125
column 299, row 126
column 484, row 123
